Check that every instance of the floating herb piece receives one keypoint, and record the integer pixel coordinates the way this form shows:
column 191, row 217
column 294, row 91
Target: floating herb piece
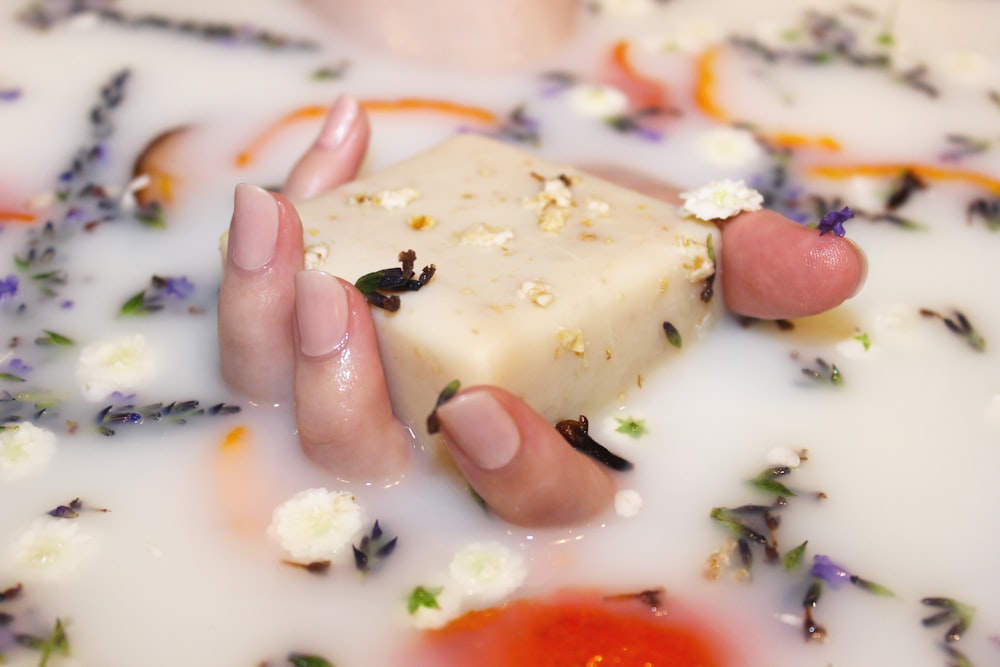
column 374, row 548
column 987, row 210
column 673, row 335
column 178, row 412
column 575, row 433
column 824, row 371
column 68, row 511
column 960, row 326
column 833, row 221
column 11, row 592
column 331, row 72
column 961, row 146
column 305, row 660
column 56, row 643
column 423, row 597
column 957, row 614
column 632, row 427
column 767, row 481
column 371, row 285
column 314, row 567
column 448, row 393
column 864, row 339
column 906, row 185
column 53, row 338
column 793, row 559
column 813, row 630
column 151, row 299
column 46, row 14
column 652, row 598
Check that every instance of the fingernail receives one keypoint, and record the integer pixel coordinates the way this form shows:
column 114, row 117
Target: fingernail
column 254, row 233
column 864, row 267
column 321, row 311
column 340, row 122
column 481, row 428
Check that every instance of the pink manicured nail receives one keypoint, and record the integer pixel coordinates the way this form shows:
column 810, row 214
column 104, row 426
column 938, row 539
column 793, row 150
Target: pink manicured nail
column 340, row 122
column 321, row 311
column 481, row 428
column 864, row 267
column 254, row 232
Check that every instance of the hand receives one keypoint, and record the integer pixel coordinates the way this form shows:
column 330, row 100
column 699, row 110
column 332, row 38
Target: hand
column 289, row 333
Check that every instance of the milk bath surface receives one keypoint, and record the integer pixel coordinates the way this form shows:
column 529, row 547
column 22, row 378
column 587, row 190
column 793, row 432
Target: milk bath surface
column 551, row 283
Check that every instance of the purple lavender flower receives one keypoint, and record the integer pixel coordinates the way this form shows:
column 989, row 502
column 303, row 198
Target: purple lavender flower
column 8, row 288
column 18, row 367
column 181, row 287
column 9, row 94
column 830, row 572
column 833, row 221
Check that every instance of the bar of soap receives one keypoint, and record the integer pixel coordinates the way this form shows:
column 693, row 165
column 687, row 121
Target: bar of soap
column 550, row 283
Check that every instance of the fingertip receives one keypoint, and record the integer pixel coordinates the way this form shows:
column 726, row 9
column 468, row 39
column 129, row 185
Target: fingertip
column 321, row 312
column 776, row 268
column 518, row 463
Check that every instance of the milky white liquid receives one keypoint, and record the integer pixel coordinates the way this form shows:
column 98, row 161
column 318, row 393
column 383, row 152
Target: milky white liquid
column 907, row 450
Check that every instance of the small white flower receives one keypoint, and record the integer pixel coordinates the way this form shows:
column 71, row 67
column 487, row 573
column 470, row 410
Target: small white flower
column 488, row 571
column 729, row 147
column 628, row 503
column 783, row 456
column 449, row 607
column 315, row 524
column 51, row 547
column 720, row 200
column 596, row 101
column 121, row 365
column 24, row 449
column 968, row 68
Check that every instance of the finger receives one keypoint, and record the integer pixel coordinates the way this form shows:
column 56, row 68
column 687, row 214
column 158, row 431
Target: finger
column 524, row 470
column 776, row 268
column 256, row 299
column 634, row 180
column 335, row 156
column 341, row 402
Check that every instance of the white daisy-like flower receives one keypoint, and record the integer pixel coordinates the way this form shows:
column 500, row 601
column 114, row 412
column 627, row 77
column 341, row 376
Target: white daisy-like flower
column 488, row 571
column 315, row 524
column 24, row 449
column 51, row 548
column 969, row 68
column 729, row 147
column 449, row 607
column 783, row 456
column 121, row 365
column 720, row 200
column 628, row 503
column 596, row 101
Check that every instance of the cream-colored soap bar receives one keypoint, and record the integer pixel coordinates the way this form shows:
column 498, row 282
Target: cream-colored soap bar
column 550, row 283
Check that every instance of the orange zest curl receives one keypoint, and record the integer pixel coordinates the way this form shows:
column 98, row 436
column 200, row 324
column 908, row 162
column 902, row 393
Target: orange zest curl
column 930, row 172
column 706, row 85
column 16, row 216
column 792, row 140
column 464, row 111
column 643, row 92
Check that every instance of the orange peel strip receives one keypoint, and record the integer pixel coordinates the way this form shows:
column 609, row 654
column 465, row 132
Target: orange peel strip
column 706, row 85
column 16, row 216
column 642, row 90
column 792, row 140
column 240, row 484
column 473, row 113
column 928, row 171
column 706, row 95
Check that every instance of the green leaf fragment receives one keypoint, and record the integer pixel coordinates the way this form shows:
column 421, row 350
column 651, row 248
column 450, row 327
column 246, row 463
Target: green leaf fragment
column 766, row 481
column 673, row 335
column 368, row 283
column 423, row 597
column 710, row 246
column 53, row 338
column 871, row 587
column 10, row 377
column 57, row 643
column 793, row 559
column 134, row 305
column 303, row 660
column 632, row 427
column 864, row 339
